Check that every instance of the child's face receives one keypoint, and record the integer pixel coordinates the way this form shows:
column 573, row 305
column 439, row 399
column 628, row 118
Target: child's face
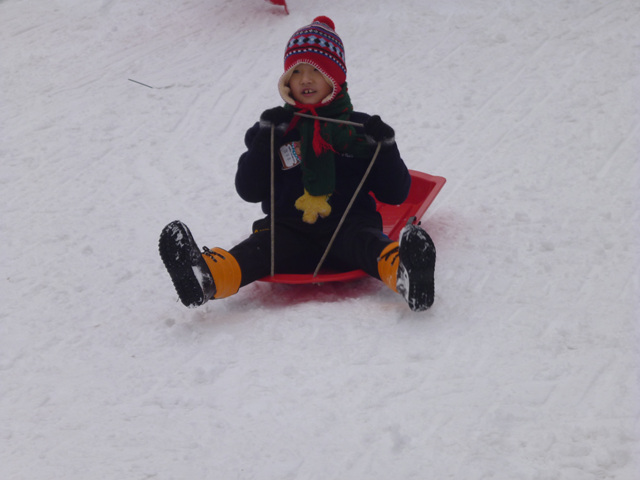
column 308, row 85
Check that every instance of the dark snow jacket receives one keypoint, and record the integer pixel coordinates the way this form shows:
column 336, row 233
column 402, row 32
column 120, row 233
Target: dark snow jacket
column 389, row 179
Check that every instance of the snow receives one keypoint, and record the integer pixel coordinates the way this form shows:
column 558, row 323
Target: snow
column 527, row 365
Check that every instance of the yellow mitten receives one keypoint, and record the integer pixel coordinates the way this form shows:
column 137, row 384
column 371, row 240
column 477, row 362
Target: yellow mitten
column 313, row 207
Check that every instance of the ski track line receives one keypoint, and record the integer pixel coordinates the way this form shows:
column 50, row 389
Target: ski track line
column 629, row 289
column 524, row 67
column 27, row 30
column 539, row 106
column 611, row 18
column 632, row 136
column 448, row 55
column 586, row 280
column 487, row 153
column 239, row 107
column 497, row 94
column 106, row 6
column 442, row 40
column 593, row 381
column 186, row 114
column 415, row 51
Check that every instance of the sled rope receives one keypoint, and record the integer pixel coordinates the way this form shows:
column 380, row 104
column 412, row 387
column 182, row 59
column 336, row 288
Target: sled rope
column 326, row 119
column 273, row 203
column 346, row 212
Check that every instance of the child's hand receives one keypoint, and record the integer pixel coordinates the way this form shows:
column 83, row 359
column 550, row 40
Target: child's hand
column 275, row 116
column 379, row 131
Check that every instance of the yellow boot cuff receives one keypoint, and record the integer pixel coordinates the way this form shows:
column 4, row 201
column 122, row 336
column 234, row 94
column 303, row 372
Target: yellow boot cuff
column 388, row 266
column 225, row 271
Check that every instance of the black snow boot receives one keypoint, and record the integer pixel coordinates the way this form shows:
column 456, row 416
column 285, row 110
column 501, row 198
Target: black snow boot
column 186, row 266
column 417, row 267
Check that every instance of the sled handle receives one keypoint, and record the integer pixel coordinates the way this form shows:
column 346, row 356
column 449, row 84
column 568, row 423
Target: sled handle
column 326, row 119
column 272, row 201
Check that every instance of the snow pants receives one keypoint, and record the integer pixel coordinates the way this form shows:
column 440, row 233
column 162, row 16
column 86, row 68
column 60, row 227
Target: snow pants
column 299, row 247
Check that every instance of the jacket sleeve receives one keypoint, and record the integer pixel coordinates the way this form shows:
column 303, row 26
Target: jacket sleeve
column 389, row 179
column 253, row 174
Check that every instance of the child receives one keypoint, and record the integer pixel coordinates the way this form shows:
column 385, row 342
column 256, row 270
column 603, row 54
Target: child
column 318, row 168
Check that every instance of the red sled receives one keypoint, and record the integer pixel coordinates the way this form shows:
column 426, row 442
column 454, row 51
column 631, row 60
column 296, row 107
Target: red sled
column 424, row 189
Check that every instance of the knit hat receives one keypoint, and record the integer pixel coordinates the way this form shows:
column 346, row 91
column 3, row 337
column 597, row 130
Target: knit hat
column 320, row 46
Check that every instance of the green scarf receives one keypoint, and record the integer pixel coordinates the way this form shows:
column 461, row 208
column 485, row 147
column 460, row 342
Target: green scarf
column 320, row 141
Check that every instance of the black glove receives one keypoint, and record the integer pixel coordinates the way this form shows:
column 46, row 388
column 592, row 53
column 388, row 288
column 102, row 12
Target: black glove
column 276, row 116
column 379, row 131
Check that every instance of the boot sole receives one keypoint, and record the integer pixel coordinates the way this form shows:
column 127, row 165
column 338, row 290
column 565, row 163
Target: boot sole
column 183, row 260
column 418, row 260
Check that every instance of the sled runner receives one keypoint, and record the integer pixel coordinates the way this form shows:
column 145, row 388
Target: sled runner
column 424, row 189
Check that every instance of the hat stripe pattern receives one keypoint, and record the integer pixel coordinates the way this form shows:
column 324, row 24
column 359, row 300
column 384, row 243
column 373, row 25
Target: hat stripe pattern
column 315, row 41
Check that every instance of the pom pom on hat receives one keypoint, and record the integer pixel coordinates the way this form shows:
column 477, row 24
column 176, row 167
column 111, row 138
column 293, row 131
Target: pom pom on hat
column 326, row 20
column 318, row 45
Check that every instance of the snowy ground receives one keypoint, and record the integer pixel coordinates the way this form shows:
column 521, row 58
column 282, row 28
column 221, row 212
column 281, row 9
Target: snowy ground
column 527, row 366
